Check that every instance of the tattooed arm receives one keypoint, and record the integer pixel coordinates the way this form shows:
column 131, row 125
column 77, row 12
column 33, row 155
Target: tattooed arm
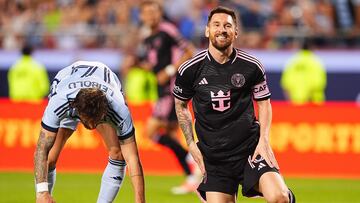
column 45, row 142
column 185, row 123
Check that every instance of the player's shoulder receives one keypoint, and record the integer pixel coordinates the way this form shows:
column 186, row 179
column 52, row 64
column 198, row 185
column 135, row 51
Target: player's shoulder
column 88, row 63
column 193, row 63
column 58, row 102
column 168, row 28
column 250, row 59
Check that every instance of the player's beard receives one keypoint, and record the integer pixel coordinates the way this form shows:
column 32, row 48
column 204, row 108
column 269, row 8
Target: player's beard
column 221, row 44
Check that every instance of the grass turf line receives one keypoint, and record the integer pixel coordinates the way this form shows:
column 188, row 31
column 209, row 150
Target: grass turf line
column 79, row 188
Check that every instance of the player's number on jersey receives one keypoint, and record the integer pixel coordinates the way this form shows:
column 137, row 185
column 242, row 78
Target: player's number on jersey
column 53, row 86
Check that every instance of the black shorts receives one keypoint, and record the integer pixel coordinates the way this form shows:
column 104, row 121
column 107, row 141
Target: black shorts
column 164, row 109
column 226, row 177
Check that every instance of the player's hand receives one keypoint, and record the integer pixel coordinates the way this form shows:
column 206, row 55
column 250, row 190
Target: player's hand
column 196, row 154
column 264, row 150
column 44, row 197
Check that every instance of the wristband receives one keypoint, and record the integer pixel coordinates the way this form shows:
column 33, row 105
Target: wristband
column 170, row 70
column 42, row 187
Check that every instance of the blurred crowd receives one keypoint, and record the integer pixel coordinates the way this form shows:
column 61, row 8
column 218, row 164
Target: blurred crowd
column 264, row 24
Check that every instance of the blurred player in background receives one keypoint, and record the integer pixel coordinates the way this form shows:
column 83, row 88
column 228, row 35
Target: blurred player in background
column 304, row 77
column 163, row 37
column 233, row 146
column 28, row 79
column 88, row 92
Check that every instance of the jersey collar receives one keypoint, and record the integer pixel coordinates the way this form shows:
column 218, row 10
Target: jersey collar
column 230, row 61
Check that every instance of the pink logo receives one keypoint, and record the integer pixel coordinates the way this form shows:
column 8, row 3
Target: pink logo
column 220, row 100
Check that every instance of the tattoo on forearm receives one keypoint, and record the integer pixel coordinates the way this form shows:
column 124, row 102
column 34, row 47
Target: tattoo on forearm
column 41, row 153
column 184, row 119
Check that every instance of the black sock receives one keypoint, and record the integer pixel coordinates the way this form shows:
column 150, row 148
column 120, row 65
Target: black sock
column 291, row 197
column 179, row 151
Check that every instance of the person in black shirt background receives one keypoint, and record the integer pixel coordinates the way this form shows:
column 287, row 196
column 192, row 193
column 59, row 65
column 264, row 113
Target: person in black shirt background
column 158, row 47
column 233, row 146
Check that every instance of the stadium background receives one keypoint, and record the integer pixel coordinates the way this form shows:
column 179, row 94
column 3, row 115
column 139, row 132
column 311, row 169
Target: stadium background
column 318, row 147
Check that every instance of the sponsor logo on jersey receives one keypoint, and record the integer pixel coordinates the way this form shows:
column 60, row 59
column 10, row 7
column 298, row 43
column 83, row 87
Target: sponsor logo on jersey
column 220, row 101
column 261, row 165
column 53, row 86
column 238, row 80
column 203, row 82
column 117, row 178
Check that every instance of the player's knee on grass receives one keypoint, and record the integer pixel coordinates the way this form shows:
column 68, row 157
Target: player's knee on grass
column 279, row 196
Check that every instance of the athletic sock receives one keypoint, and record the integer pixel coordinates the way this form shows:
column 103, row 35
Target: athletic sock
column 111, row 180
column 291, row 197
column 51, row 179
column 179, row 151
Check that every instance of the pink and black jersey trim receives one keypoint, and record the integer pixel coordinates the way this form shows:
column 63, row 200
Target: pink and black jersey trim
column 261, row 90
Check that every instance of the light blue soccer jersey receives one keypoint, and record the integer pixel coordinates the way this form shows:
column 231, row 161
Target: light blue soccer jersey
column 86, row 74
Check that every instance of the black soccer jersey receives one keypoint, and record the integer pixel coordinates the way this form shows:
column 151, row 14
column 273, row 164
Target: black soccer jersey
column 160, row 50
column 222, row 96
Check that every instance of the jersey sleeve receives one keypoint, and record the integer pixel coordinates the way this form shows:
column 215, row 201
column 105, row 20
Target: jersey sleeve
column 260, row 89
column 119, row 115
column 127, row 128
column 184, row 88
column 54, row 112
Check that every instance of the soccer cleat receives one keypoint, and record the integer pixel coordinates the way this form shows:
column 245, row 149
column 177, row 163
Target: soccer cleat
column 185, row 188
column 195, row 170
column 190, row 185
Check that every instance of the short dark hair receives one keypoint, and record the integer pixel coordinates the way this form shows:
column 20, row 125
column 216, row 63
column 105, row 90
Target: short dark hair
column 222, row 9
column 27, row 49
column 306, row 44
column 150, row 2
column 91, row 103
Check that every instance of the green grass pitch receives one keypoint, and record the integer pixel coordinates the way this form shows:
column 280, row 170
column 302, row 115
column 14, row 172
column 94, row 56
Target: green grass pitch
column 79, row 188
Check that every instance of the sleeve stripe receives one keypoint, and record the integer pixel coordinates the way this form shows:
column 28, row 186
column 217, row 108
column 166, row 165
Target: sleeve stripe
column 192, row 63
column 63, row 112
column 263, row 96
column 197, row 56
column 115, row 114
column 180, row 97
column 250, row 56
column 60, row 107
column 251, row 59
column 131, row 133
column 113, row 119
column 46, row 127
column 262, row 99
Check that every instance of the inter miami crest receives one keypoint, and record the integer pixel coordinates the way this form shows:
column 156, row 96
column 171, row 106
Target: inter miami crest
column 238, row 80
column 220, row 100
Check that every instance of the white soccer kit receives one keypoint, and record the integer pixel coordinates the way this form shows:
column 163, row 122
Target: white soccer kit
column 86, row 74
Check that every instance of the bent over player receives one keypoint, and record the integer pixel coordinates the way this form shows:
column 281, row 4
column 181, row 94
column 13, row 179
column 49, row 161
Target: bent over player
column 91, row 93
column 233, row 146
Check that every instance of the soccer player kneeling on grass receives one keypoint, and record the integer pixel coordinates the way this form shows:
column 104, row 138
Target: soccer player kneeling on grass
column 88, row 92
column 233, row 146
